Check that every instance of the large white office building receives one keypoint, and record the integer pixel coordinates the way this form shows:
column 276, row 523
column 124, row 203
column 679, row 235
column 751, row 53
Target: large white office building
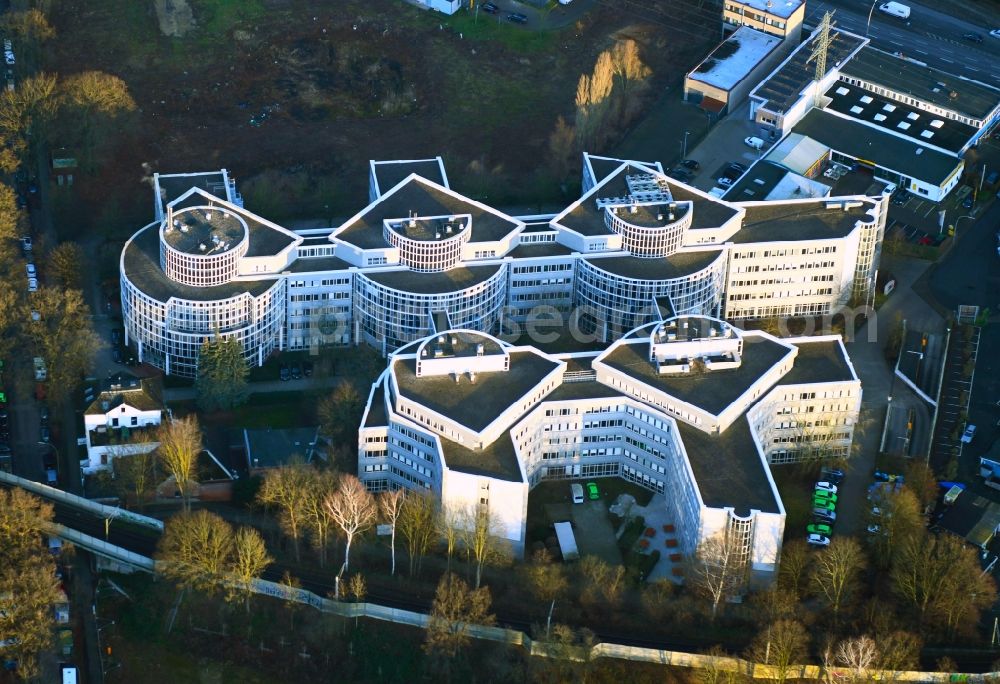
column 687, row 406
column 421, row 258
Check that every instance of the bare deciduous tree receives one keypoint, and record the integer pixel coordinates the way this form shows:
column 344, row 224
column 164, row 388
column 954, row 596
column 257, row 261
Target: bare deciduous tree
column 416, row 523
column 180, row 444
column 289, row 490
column 455, row 608
column 390, row 503
column 718, row 570
column 480, row 533
column 195, row 550
column 859, row 655
column 320, row 485
column 836, row 570
column 795, row 558
column 781, row 645
column 546, row 581
column 249, row 560
column 353, row 510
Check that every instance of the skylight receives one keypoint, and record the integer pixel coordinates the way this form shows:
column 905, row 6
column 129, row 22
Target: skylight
column 912, row 116
column 902, row 125
column 866, row 99
column 888, row 107
column 857, row 110
column 927, row 134
column 843, row 91
column 880, row 117
column 936, row 123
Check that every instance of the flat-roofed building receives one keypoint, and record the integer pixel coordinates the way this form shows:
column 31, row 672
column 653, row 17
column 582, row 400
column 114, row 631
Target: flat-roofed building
column 722, row 81
column 782, row 18
column 421, row 258
column 689, row 406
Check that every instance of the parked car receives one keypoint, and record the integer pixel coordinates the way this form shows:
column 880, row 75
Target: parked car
column 874, row 529
column 489, row 8
column 32, row 284
column 819, row 528
column 517, row 18
column 817, row 540
column 49, row 459
column 593, row 492
column 823, row 495
column 285, row 373
column 834, row 475
column 824, row 504
column 826, row 487
column 30, row 268
column 26, row 244
column 969, row 434
column 296, row 371
column 754, row 142
column 576, row 491
column 973, row 37
column 43, row 431
column 679, row 174
column 43, row 413
column 825, row 515
column 736, row 166
column 116, row 354
column 307, row 368
column 691, row 164
column 116, row 336
column 967, row 202
column 724, row 181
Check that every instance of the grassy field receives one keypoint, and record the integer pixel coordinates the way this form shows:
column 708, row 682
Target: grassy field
column 294, row 97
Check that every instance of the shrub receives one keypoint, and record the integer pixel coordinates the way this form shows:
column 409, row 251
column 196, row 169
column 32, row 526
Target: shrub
column 650, row 532
column 668, row 528
column 672, row 543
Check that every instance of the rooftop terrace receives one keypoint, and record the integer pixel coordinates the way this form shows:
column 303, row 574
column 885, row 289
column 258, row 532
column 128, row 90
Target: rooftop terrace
column 142, row 267
column 204, row 231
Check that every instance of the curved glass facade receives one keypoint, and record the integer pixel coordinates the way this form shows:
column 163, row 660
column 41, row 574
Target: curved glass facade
column 617, row 304
column 170, row 330
column 389, row 317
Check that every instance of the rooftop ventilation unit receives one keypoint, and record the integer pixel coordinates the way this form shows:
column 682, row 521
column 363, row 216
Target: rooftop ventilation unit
column 202, row 247
column 184, row 229
column 208, row 216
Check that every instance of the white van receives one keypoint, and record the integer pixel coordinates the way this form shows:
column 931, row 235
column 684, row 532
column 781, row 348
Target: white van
column 577, row 491
column 895, row 9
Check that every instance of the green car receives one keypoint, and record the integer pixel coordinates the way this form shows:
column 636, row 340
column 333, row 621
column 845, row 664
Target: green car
column 592, row 491
column 819, row 528
column 821, row 494
column 824, row 504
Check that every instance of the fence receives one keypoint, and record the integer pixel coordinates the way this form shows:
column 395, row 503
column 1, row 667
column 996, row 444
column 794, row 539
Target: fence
column 542, row 649
column 78, row 501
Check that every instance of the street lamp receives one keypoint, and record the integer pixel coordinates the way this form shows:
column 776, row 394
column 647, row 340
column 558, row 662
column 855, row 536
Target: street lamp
column 957, row 221
column 684, row 151
column 869, row 24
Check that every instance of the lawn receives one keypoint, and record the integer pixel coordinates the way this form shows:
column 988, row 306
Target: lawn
column 795, row 487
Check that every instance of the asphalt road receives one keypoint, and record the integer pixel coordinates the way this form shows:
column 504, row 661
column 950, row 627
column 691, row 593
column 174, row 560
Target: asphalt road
column 931, row 36
column 970, row 274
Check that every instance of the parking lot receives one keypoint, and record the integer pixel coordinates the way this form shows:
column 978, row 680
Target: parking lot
column 955, row 396
column 725, row 144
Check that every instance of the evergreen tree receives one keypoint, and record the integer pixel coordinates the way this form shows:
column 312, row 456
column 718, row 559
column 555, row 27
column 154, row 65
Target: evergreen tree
column 222, row 374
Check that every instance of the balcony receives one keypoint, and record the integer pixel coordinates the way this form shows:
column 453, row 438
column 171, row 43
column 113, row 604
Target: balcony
column 117, row 436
